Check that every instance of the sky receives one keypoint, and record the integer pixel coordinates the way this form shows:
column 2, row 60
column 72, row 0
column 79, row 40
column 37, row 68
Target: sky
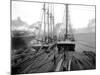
column 81, row 15
column 31, row 12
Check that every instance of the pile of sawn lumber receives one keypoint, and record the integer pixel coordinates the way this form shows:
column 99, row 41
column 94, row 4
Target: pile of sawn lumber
column 26, row 61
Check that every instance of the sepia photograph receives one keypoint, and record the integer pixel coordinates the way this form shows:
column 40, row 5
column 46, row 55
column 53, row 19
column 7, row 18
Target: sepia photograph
column 52, row 37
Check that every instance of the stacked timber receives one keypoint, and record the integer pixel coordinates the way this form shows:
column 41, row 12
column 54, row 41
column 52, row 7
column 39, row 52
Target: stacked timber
column 50, row 60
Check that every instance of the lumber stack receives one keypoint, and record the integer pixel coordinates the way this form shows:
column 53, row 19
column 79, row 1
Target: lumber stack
column 50, row 60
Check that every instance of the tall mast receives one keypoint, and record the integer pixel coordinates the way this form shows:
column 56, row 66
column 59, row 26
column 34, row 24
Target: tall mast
column 44, row 20
column 66, row 8
column 48, row 21
column 53, row 22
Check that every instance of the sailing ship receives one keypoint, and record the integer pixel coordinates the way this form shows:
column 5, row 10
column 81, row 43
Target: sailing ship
column 49, row 37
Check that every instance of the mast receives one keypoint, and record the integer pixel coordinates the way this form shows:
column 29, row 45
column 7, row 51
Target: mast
column 48, row 21
column 53, row 21
column 44, row 21
column 66, row 8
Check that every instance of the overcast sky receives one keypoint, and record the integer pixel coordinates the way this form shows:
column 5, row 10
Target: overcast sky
column 32, row 12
